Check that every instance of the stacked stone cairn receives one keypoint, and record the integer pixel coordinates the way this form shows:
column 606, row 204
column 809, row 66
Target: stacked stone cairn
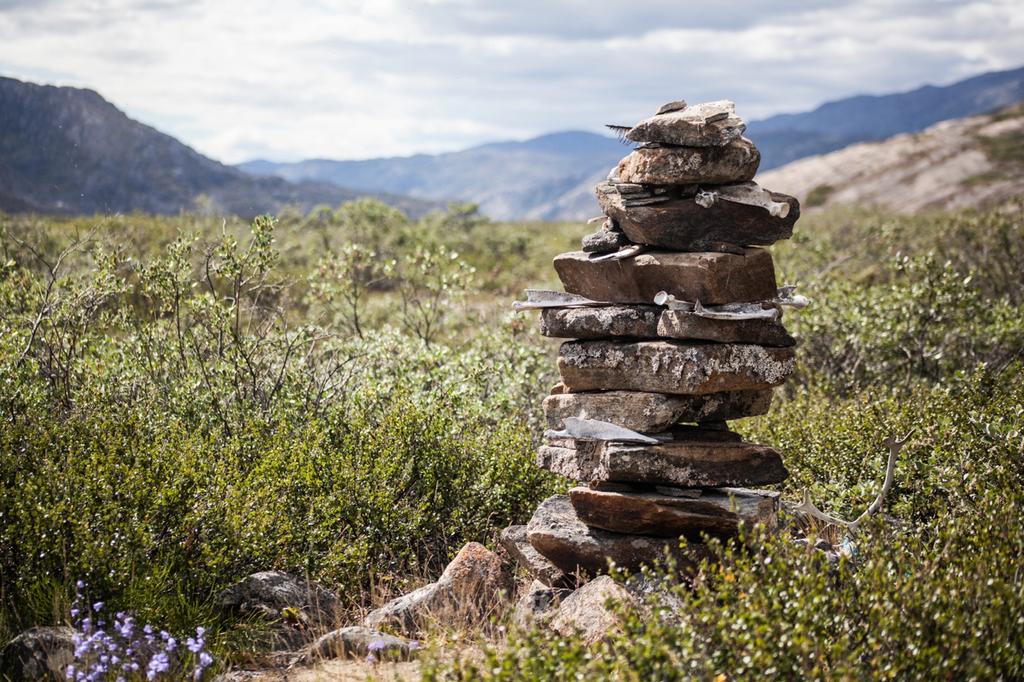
column 673, row 317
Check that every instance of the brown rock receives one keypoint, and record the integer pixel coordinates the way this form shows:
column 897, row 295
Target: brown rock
column 654, row 412
column 671, row 366
column 717, row 512
column 687, row 128
column 736, row 161
column 683, row 464
column 680, row 223
column 589, row 613
column 556, row 532
column 514, row 540
column 472, row 587
column 638, row 321
column 680, row 324
column 711, row 278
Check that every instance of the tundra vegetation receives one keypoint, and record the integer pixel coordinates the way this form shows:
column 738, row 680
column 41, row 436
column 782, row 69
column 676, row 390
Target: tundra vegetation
column 346, row 395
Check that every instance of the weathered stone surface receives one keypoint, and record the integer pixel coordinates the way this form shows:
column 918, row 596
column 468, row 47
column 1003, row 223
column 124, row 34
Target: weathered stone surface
column 472, row 587
column 690, row 127
column 717, row 512
column 680, row 324
column 538, row 604
column 654, row 412
column 709, row 277
column 683, row 464
column 39, row 653
column 680, row 223
column 268, row 593
column 357, row 641
column 556, row 532
column 515, row 542
column 736, row 161
column 671, row 366
column 587, row 612
column 604, row 241
column 637, row 321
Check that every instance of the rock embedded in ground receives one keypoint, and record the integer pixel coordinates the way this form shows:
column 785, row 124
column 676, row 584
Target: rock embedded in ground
column 473, row 587
column 718, row 512
column 269, row 593
column 681, row 464
column 589, row 612
column 538, row 604
column 556, row 532
column 709, row 277
column 654, row 412
column 684, row 325
column 680, row 223
column 690, row 127
column 604, row 241
column 671, row 366
column 357, row 641
column 736, row 161
column 515, row 542
column 39, row 653
column 636, row 321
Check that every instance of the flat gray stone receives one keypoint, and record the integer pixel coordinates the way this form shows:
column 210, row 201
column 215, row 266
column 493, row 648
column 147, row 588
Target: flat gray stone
column 515, row 542
column 690, row 127
column 719, row 512
column 682, row 464
column 39, row 653
column 736, row 161
column 683, row 325
column 654, row 412
column 712, row 278
column 604, row 241
column 556, row 532
column 636, row 321
column 681, row 223
column 672, row 366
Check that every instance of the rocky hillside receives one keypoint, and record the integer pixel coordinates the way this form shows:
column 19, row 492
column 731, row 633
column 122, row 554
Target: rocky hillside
column 966, row 162
column 68, row 150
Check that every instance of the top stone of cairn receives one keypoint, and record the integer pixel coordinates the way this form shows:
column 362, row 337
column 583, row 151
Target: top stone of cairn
column 710, row 124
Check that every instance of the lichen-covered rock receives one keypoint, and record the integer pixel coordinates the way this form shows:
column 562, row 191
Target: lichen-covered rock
column 672, row 366
column 557, row 532
column 472, row 588
column 684, row 325
column 654, row 412
column 637, row 321
column 712, row 278
column 718, row 512
column 39, row 653
column 684, row 464
column 276, row 594
column 679, row 222
column 736, row 161
column 589, row 612
column 699, row 125
column 515, row 542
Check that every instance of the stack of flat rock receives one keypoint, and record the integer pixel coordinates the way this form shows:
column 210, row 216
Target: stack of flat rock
column 673, row 317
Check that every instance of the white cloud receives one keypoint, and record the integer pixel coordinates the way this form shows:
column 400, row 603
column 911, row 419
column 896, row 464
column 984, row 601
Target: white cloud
column 244, row 78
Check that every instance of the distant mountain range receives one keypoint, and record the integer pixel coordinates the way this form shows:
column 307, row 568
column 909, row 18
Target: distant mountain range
column 552, row 177
column 975, row 161
column 69, row 151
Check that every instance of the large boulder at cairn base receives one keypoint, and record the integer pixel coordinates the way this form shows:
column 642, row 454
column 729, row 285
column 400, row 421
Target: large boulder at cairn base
column 671, row 366
column 472, row 588
column 684, row 464
column 656, row 165
column 589, row 612
column 654, row 412
column 718, row 512
column 40, row 653
column 709, row 277
column 679, row 222
column 557, row 533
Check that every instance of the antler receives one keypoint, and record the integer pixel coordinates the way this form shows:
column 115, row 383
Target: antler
column 808, row 511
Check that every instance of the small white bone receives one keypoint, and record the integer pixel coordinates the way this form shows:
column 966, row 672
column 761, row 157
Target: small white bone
column 543, row 298
column 621, row 254
column 747, row 193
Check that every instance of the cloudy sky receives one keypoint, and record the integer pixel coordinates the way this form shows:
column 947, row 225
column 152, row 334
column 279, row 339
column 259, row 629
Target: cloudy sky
column 239, row 79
